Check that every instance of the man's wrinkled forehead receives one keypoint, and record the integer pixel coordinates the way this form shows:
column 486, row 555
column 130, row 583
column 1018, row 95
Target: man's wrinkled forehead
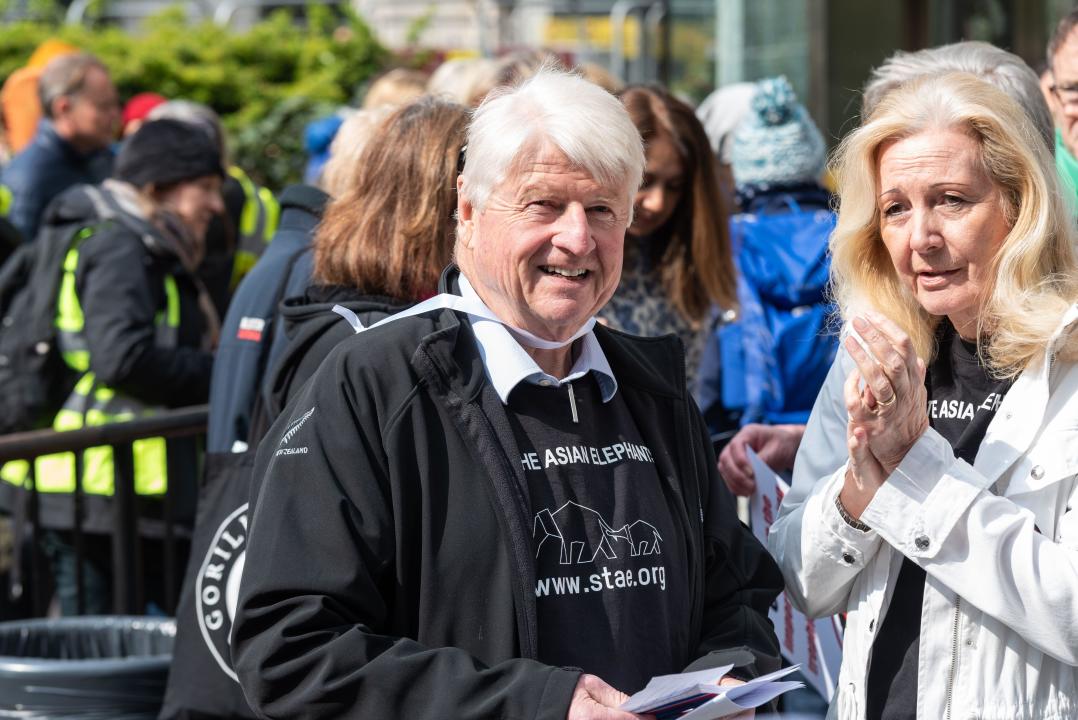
column 541, row 166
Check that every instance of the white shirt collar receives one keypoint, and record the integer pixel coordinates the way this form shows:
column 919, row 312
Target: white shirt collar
column 508, row 364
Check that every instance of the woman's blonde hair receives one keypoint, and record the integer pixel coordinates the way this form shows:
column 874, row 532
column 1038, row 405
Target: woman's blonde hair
column 394, row 88
column 339, row 172
column 1034, row 271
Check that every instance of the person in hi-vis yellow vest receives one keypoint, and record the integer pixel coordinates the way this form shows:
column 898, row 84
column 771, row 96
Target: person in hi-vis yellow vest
column 238, row 238
column 135, row 324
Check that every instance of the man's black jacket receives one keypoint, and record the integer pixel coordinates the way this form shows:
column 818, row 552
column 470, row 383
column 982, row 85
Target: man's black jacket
column 312, row 329
column 390, row 567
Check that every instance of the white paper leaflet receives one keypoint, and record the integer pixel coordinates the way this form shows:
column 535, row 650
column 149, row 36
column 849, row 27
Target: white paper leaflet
column 698, row 696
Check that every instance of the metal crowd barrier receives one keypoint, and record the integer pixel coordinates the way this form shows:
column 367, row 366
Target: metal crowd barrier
column 128, row 571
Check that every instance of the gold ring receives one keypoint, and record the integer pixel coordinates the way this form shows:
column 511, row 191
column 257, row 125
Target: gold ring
column 888, row 403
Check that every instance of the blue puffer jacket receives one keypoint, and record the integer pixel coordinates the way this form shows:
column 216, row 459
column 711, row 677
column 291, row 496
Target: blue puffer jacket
column 768, row 363
column 44, row 169
column 249, row 343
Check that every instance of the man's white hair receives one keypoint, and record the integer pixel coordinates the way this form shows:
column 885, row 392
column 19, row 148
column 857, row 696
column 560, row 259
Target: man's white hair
column 585, row 122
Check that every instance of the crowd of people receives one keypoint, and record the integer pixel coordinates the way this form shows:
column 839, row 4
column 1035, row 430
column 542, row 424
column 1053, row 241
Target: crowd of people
column 482, row 389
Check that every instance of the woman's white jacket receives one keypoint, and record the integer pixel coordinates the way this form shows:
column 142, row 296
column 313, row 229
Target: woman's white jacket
column 998, row 541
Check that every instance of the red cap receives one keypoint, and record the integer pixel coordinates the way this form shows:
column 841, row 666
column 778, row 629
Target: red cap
column 138, row 107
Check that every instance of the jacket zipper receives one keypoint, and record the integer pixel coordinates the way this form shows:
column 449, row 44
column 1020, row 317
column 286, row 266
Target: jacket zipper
column 954, row 656
column 572, row 404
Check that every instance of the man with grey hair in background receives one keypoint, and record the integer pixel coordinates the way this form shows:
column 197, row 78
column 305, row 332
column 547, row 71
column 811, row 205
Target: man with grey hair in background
column 995, row 66
column 1063, row 70
column 777, row 444
column 81, row 114
column 489, row 505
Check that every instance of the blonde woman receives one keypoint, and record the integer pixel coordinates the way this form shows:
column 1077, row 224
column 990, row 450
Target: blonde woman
column 933, row 492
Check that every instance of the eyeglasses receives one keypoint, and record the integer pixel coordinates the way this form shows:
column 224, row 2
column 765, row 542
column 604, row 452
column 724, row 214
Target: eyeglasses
column 1067, row 93
column 110, row 103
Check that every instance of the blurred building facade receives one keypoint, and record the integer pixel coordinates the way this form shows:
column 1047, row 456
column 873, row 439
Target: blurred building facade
column 826, row 48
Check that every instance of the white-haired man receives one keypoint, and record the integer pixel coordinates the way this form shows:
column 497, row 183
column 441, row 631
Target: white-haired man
column 493, row 507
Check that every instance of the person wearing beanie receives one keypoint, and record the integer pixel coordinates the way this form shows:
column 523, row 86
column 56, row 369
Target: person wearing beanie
column 139, row 330
column 777, row 156
column 777, row 143
column 767, row 362
column 238, row 237
column 136, row 110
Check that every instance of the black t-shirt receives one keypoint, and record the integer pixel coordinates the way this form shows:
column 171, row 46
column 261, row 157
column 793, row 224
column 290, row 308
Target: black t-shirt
column 611, row 590
column 962, row 400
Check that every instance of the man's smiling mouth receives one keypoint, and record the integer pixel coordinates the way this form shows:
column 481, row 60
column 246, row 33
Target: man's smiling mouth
column 564, row 272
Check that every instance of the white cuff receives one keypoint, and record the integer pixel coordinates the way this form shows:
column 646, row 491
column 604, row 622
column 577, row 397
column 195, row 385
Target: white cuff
column 840, row 541
column 923, row 498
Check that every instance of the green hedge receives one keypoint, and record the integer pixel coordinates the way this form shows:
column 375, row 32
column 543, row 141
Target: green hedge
column 266, row 83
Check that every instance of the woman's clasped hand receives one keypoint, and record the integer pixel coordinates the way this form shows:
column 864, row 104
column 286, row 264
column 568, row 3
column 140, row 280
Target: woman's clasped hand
column 886, row 401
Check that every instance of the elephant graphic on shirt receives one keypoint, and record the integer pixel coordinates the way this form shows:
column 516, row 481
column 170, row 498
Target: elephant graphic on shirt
column 644, row 539
column 581, row 535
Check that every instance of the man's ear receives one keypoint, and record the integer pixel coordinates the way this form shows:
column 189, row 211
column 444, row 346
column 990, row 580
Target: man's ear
column 465, row 216
column 61, row 106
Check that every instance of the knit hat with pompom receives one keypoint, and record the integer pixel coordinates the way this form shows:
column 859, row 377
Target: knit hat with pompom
column 777, row 143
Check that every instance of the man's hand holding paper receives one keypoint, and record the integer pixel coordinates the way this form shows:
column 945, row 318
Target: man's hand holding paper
column 697, row 696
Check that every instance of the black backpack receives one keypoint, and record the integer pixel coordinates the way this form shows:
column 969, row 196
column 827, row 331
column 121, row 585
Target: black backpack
column 34, row 379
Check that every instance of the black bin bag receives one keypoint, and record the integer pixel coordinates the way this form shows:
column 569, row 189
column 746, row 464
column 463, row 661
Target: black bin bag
column 85, row 667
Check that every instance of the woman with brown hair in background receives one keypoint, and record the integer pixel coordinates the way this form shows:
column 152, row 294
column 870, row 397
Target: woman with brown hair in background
column 383, row 241
column 677, row 250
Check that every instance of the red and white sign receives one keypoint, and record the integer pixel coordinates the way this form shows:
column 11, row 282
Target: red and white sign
column 814, row 644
